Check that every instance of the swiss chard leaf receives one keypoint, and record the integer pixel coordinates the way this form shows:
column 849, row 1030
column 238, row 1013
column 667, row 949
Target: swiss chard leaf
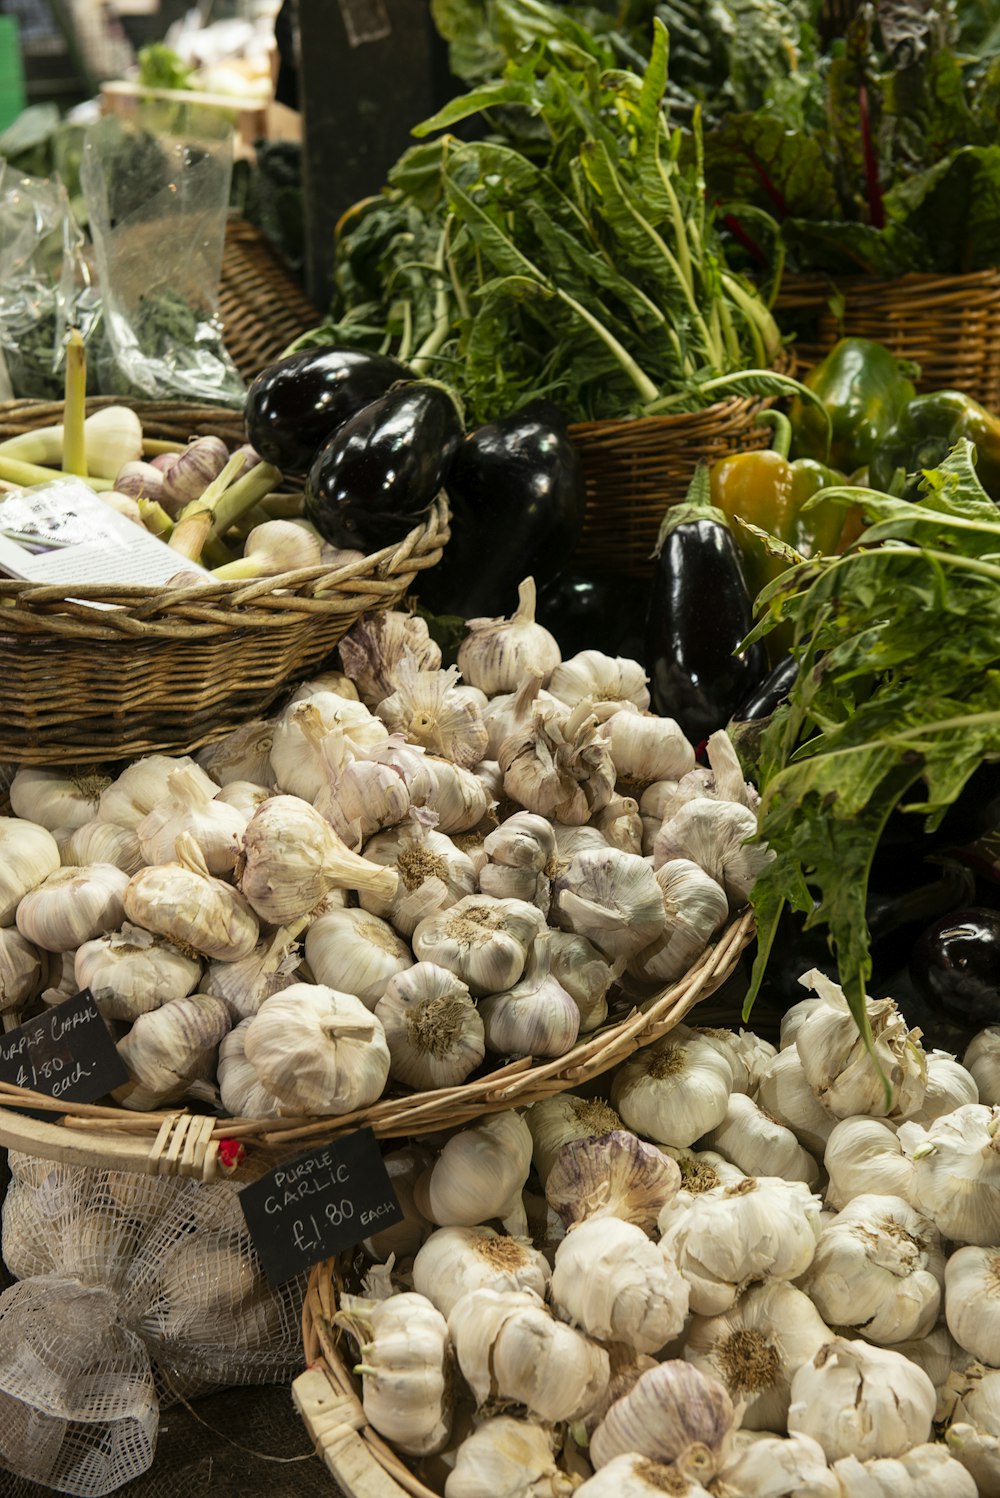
column 756, row 159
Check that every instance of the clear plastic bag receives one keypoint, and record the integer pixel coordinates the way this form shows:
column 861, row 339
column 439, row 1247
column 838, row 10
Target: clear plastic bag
column 156, row 188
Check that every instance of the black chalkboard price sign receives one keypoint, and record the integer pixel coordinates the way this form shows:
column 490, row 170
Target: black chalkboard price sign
column 319, row 1204
column 65, row 1053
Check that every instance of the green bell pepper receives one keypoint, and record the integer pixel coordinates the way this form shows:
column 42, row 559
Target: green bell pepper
column 927, row 427
column 864, row 388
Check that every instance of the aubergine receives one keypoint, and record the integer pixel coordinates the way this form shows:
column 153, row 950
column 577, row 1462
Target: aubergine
column 371, row 482
column 516, row 496
column 296, row 403
column 586, row 612
column 955, row 966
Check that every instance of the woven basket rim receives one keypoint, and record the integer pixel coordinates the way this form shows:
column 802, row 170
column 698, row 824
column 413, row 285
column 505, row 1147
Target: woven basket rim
column 909, row 281
column 728, row 407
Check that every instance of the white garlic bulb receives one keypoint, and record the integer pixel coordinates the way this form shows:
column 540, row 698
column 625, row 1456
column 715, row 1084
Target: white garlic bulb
column 767, row 1466
column 701, row 1170
column 523, row 841
column 585, row 975
column 949, row 1086
column 73, row 905
column 427, row 710
column 611, row 1175
column 244, row 754
column 102, row 842
column 378, row 644
column 783, row 1091
column 674, row 1090
column 865, row 1155
column 972, row 1300
column 982, row 1060
column 591, row 676
column 973, row 1434
column 21, row 970
column 142, row 785
column 714, row 835
column 695, row 908
column 507, row 1458
column 326, row 681
column 497, row 654
column 838, row 1066
column 859, row 1400
column 758, row 1145
column 927, row 1471
column 182, row 902
column 484, row 942
column 572, row 840
column 673, row 1413
column 956, row 1172
column 555, row 1121
column 612, row 898
column 271, row 966
column 171, row 1047
column 296, row 749
column 502, row 883
column 535, row 1017
column 292, row 858
column 432, row 1028
column 406, row 1375
column 318, row 1050
column 613, row 1283
column 356, row 952
column 479, row 1175
column 748, row 1055
column 187, row 807
column 455, row 1260
column 131, row 972
column 363, row 794
column 620, row 824
column 432, row 874
column 633, row 1476
column 647, row 749
column 513, row 712
column 28, row 854
column 245, row 795
column 460, row 798
column 57, row 798
column 940, row 1356
column 242, row 1093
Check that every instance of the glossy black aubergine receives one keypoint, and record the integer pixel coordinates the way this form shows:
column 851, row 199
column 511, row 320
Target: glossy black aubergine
column 370, row 482
column 586, row 612
column 296, row 403
column 955, row 966
column 516, row 496
column 699, row 613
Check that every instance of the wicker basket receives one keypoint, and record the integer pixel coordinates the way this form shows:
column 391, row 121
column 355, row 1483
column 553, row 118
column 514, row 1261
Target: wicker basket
column 263, row 307
column 950, row 325
column 173, row 668
column 188, row 1144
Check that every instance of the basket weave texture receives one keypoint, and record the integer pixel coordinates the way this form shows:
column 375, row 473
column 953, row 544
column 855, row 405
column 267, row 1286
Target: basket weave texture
column 263, row 307
column 950, row 325
column 170, row 669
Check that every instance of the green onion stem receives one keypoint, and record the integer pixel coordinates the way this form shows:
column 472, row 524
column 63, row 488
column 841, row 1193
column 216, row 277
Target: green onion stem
column 26, row 475
column 223, row 502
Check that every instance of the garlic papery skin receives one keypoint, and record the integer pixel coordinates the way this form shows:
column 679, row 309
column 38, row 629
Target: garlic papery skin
column 73, row 905
column 972, row 1301
column 523, row 841
column 714, row 835
column 433, row 1030
column 783, row 1092
column 633, row 1476
column 459, row 797
column 168, row 1049
column 756, row 1348
column 484, row 942
column 502, row 883
column 432, row 875
column 613, row 1283
column 182, row 902
column 513, row 712
column 956, row 1172
column 864, row 1155
column 559, row 766
column 728, row 1237
column 768, row 1466
column 318, row 1050
column 759, row 1145
column 612, row 898
column 592, row 676
column 674, row 1090
column 536, row 1017
column 242, row 1093
column 404, row 1168
column 507, row 1458
column 646, row 749
column 362, row 796
column 244, row 795
column 949, row 1086
column 326, row 681
column 878, row 1266
column 695, row 909
column 479, row 1175
column 748, row 1055
column 839, row 1068
column 497, row 654
column 427, row 710
column 406, row 1376
column 982, row 1061
column 131, row 972
column 701, row 1170
column 940, row 1356
column 102, row 842
column 187, row 807
column 244, row 754
column 611, row 1175
column 57, row 798
column 572, row 840
column 296, row 753
column 674, row 1413
column 928, row 1471
column 509, row 1347
column 455, row 1260
column 356, row 952
column 270, row 967
column 378, row 644
column 973, row 1434
column 859, row 1400
column 556, row 1121
column 143, row 785
column 620, row 824
column 584, row 974
column 28, row 854
column 292, row 858
column 22, row 975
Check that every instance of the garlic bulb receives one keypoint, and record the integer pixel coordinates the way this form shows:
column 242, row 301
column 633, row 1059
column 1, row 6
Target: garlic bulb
column 318, row 1050
column 956, row 1172
column 142, row 785
column 507, row 1458
column 378, row 644
column 523, row 841
column 837, row 1064
column 982, row 1061
column 647, row 749
column 57, row 798
column 633, row 1476
column 513, row 712
column 535, row 1017
column 427, row 710
column 102, row 842
column 244, row 795
column 584, row 974
column 879, row 1266
column 701, row 1170
column 949, row 1086
column 292, row 858
column 479, row 1175
column 502, row 883
column 620, row 824
column 362, row 795
column 60, row 978
column 784, row 1093
column 460, row 798
column 923, row 1472
column 611, row 1175
column 612, row 898
column 182, row 902
column 270, row 967
column 760, row 1146
column 171, row 1047
column 484, row 942
column 696, row 908
column 187, row 807
column 73, row 905
column 756, row 1347
column 766, row 1466
column 865, row 1155
column 455, row 1260
column 356, row 953
column 559, row 766
column 572, row 840
column 609, row 1280
column 28, row 854
column 973, row 1435
column 939, row 1355
column 714, row 835
column 296, row 750
column 244, row 754
column 724, row 1239
column 972, row 1300
column 404, row 1168
column 747, row 1054
column 828, row 995
column 555, row 1121
column 592, row 676
column 325, row 681
column 131, row 972
column 674, row 1090
column 432, row 1028
column 510, row 1348
column 862, row 1401
column 21, row 971
column 673, row 1413
column 241, row 1091
column 497, row 654
column 406, row 1375
column 432, row 874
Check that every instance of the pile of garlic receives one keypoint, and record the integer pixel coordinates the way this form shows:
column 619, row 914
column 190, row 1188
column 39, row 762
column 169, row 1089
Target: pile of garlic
column 741, row 1273
column 408, row 874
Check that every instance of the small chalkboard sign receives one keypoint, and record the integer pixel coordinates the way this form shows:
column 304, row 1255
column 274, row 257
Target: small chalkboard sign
column 66, row 1053
column 319, row 1204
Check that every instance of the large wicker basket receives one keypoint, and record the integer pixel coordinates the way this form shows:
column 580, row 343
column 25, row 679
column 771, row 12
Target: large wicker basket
column 172, row 668
column 263, row 308
column 950, row 325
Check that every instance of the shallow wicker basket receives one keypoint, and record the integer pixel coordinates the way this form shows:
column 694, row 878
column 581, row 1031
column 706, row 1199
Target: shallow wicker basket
column 263, row 308
column 950, row 325
column 173, row 668
column 188, row 1144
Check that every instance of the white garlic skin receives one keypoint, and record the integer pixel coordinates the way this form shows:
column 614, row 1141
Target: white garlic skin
column 404, row 1168
column 535, row 1017
column 949, row 1086
column 318, row 1050
column 374, row 647
column 860, row 1400
column 674, row 1090
column 612, row 898
column 584, row 974
column 507, row 1458
column 103, row 842
column 956, row 1172
column 759, row 1145
column 292, row 859
column 590, row 675
column 241, row 1091
column 215, row 826
column 21, row 971
column 497, row 654
column 130, row 972
column 57, row 797
column 242, row 755
column 972, row 1400
column 865, row 1155
column 715, row 835
column 611, row 1175
column 672, row 1413
column 617, row 1286
column 927, row 1471
column 433, row 874
column 972, row 1301
column 142, row 785
column 769, row 1466
column 783, row 1091
column 982, row 1061
column 73, row 905
column 633, row 1476
column 171, row 1047
column 355, row 952
column 192, row 909
column 556, row 1121
column 297, row 761
column 484, row 942
column 838, row 1066
column 647, row 749
column 434, row 1032
column 405, row 1367
column 479, row 1174
column 28, row 855
column 455, row 1260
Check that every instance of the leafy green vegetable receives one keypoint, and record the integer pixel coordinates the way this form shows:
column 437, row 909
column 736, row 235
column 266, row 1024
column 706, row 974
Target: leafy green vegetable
column 161, row 67
column 896, row 703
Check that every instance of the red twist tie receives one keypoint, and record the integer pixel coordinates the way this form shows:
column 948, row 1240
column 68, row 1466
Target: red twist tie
column 231, row 1152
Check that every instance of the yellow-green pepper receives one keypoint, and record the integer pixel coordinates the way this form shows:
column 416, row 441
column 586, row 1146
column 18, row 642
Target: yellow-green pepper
column 864, row 388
